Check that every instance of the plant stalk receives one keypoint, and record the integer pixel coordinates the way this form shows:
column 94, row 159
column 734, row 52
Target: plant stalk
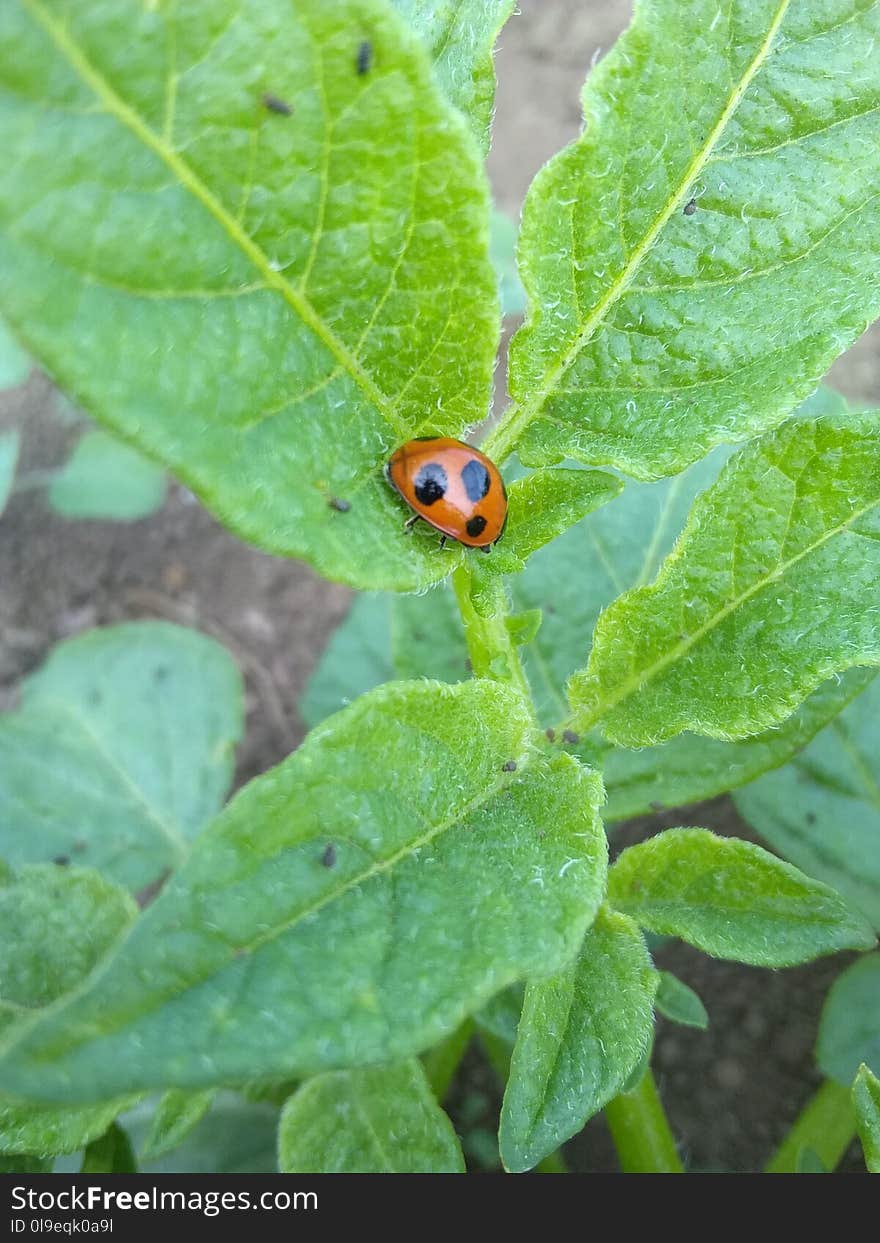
column 492, row 651
column 641, row 1132
column 826, row 1125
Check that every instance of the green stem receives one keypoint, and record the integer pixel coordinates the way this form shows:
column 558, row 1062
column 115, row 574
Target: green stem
column 493, row 653
column 640, row 1130
column 826, row 1124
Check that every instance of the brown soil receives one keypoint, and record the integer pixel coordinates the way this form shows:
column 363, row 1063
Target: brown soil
column 731, row 1092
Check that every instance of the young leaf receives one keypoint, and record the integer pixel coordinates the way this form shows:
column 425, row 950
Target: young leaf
column 620, row 546
column 542, row 506
column 770, row 590
column 866, row 1102
column 679, row 1003
column 699, row 257
column 822, row 810
column 349, row 907
column 9, row 442
column 581, row 1035
column 235, row 1136
column 265, row 300
column 460, row 37
column 177, row 1114
column 732, row 900
column 103, row 478
column 122, row 749
column 56, row 924
column 849, row 1030
column 111, row 1153
column 385, row 638
column 379, row 1120
column 15, row 365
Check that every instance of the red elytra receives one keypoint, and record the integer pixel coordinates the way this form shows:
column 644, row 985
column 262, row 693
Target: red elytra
column 453, row 487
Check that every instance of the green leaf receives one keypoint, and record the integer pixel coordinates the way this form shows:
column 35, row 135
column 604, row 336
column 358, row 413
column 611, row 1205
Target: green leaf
column 379, row 1120
column 9, row 443
column 123, row 748
column 679, row 1003
column 809, row 1162
column 110, row 1154
column 581, row 1035
column 822, row 810
column 265, row 303
column 771, row 589
column 23, row 1163
column 235, row 1136
column 621, row 545
column 866, row 1102
column 689, row 768
column 450, row 876
column 460, row 36
column 733, row 900
column 849, row 1030
column 441, row 1063
column 502, row 248
column 385, row 638
column 697, row 259
column 104, row 478
column 15, row 366
column 177, row 1114
column 542, row 506
column 56, row 925
column 523, row 627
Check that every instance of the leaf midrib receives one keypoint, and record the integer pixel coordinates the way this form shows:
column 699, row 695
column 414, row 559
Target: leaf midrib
column 190, row 181
column 638, row 680
column 500, row 442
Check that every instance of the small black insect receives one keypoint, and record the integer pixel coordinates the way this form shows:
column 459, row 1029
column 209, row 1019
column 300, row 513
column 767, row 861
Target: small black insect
column 551, row 735
column 690, row 207
column 328, row 858
column 274, row 104
column 570, row 736
column 509, row 767
column 656, row 806
column 61, row 861
column 365, row 57
column 341, row 506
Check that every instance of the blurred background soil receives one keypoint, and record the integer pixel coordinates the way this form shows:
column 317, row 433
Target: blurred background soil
column 732, row 1092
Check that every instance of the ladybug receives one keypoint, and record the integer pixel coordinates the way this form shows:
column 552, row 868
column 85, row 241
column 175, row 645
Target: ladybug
column 453, row 487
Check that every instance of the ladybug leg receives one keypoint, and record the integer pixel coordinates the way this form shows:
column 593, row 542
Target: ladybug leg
column 442, row 543
column 411, row 522
column 487, row 548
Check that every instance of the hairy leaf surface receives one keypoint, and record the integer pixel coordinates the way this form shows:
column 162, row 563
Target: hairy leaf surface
column 771, row 589
column 460, row 36
column 732, row 899
column 378, row 1120
column 581, row 1035
column 866, row 1102
column 698, row 258
column 263, row 267
column 348, row 907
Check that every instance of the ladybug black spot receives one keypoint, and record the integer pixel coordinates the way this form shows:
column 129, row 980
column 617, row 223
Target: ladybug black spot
column 476, row 480
column 430, row 483
column 476, row 525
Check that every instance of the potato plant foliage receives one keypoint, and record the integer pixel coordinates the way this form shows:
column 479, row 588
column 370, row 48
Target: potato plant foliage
column 252, row 239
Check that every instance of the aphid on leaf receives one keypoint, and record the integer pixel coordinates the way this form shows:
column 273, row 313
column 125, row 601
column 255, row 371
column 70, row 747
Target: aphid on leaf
column 274, row 104
column 453, row 487
column 690, row 207
column 509, row 767
column 341, row 506
column 365, row 57
column 328, row 858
